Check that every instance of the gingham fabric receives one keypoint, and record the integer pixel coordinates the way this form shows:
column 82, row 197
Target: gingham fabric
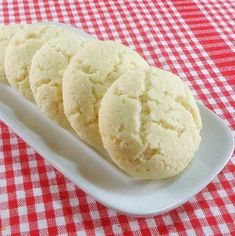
column 194, row 39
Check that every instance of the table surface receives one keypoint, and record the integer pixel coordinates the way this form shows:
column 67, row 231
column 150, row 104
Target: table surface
column 194, row 39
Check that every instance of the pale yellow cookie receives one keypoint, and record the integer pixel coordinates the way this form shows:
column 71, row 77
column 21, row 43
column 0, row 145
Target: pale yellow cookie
column 90, row 73
column 46, row 73
column 6, row 32
column 20, row 51
column 150, row 123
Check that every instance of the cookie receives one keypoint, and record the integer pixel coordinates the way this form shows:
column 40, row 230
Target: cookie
column 90, row 73
column 46, row 73
column 150, row 123
column 6, row 32
column 20, row 51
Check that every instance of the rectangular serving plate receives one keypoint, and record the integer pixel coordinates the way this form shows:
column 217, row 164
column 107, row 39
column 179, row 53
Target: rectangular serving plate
column 99, row 177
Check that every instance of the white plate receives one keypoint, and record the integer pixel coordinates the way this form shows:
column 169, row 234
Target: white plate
column 100, row 178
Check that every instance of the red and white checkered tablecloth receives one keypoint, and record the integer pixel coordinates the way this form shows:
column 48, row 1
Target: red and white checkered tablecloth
column 195, row 39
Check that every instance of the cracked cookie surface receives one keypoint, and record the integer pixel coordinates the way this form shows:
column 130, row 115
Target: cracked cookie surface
column 90, row 73
column 46, row 73
column 6, row 32
column 20, row 51
column 150, row 123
